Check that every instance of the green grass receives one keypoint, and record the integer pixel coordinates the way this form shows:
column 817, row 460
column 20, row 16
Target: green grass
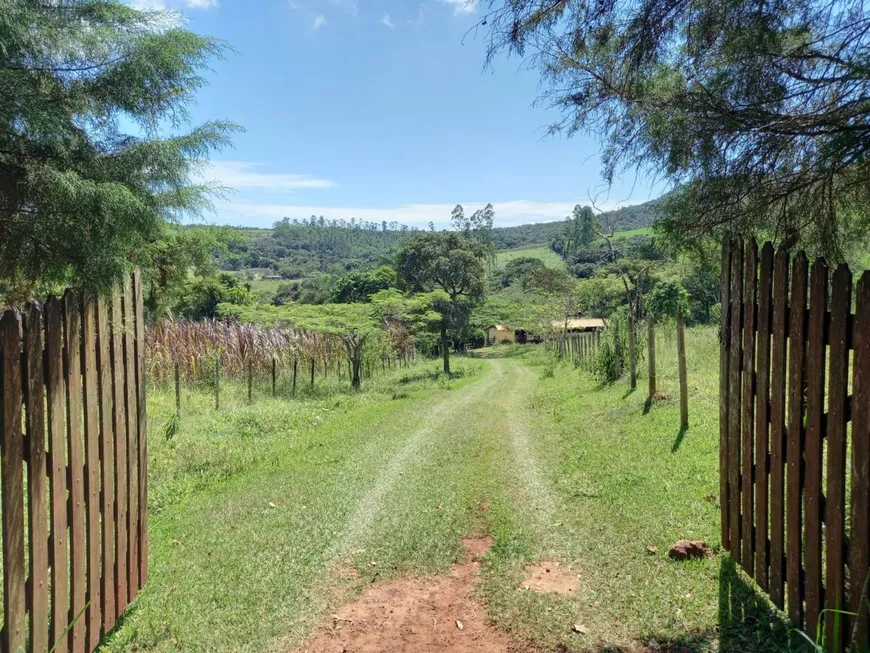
column 264, row 289
column 625, row 479
column 541, row 252
column 259, row 510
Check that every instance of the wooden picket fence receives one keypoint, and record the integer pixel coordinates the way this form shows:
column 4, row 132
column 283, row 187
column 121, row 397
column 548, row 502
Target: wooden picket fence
column 75, row 530
column 795, row 435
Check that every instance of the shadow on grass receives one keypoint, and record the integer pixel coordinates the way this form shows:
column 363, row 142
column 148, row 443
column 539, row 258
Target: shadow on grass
column 680, row 437
column 647, row 405
column 747, row 622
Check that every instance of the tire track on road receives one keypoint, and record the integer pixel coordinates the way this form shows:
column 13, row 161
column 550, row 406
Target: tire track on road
column 437, row 418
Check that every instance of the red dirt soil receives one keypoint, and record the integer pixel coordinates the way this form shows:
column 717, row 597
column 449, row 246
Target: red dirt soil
column 549, row 577
column 419, row 615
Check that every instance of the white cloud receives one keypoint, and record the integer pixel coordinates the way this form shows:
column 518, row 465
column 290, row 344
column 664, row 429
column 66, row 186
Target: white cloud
column 461, row 6
column 507, row 213
column 385, row 20
column 203, row 4
column 241, row 175
column 319, row 21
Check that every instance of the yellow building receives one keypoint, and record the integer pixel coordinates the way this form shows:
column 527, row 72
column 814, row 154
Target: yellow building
column 498, row 333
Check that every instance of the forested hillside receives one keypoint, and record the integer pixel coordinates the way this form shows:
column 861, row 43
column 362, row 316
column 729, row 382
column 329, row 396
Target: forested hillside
column 542, row 233
column 297, row 249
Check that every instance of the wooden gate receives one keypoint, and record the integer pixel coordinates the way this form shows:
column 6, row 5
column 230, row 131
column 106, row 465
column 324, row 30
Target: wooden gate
column 795, row 434
column 73, row 448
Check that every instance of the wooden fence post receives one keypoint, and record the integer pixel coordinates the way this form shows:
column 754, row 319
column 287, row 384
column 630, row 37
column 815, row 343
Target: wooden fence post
column 295, row 370
column 177, row 367
column 217, row 382
column 274, row 376
column 250, row 380
column 651, row 351
column 632, row 351
column 681, row 361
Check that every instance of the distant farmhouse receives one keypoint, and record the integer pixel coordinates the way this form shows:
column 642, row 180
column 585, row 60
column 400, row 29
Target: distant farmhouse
column 498, row 333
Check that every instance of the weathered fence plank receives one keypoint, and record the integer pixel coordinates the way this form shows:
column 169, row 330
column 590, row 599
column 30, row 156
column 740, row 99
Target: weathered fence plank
column 12, row 488
column 73, row 374
column 734, row 394
column 37, row 478
column 92, row 468
column 777, row 428
column 119, row 430
column 57, row 480
column 724, row 404
column 815, row 400
column 747, row 446
column 835, row 501
column 107, row 464
column 130, row 400
column 142, row 425
column 859, row 553
column 762, row 414
column 794, row 457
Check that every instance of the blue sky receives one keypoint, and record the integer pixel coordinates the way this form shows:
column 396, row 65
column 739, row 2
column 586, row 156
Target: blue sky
column 381, row 110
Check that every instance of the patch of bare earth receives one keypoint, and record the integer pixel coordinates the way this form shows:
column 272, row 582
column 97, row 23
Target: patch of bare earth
column 419, row 615
column 550, row 577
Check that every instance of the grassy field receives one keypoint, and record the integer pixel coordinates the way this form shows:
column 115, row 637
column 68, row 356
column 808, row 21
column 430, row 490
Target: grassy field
column 266, row 518
column 542, row 252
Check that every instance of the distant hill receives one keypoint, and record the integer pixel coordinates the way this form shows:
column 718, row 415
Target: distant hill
column 541, row 233
column 297, row 249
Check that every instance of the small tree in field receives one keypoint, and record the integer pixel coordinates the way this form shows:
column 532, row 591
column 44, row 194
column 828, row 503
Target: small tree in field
column 449, row 262
column 670, row 299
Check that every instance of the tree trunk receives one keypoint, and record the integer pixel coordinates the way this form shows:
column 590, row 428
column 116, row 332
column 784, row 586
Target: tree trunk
column 681, row 358
column 651, row 343
column 445, row 350
column 355, row 382
column 632, row 353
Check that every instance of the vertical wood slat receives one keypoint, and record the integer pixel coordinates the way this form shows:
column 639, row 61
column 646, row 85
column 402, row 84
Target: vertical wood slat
column 12, row 487
column 57, row 478
column 92, row 468
column 734, row 393
column 859, row 541
column 142, row 424
column 107, row 464
column 724, row 404
column 72, row 371
column 777, row 428
column 815, row 370
column 747, row 445
column 762, row 416
column 119, row 429
column 130, row 401
column 794, row 449
column 37, row 478
column 835, row 503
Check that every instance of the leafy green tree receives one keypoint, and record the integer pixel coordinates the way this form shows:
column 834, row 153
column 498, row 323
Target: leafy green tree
column 666, row 297
column 176, row 255
column 450, row 262
column 357, row 286
column 477, row 227
column 756, row 110
column 80, row 197
column 200, row 298
column 518, row 269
